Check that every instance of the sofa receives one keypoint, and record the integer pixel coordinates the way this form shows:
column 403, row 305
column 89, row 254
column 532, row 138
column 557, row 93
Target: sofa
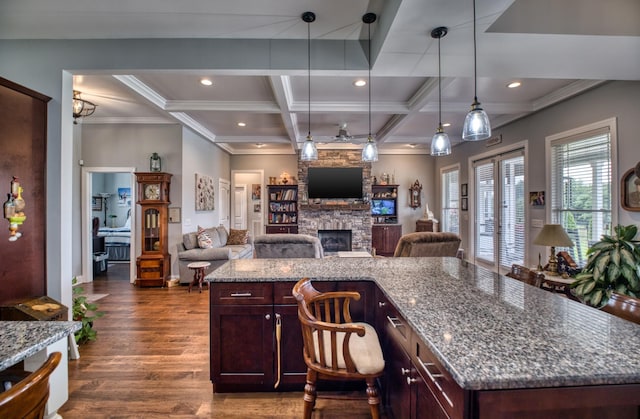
column 280, row 246
column 426, row 243
column 236, row 244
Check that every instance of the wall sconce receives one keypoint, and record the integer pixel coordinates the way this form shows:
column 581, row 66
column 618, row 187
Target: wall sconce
column 14, row 209
column 155, row 163
column 81, row 107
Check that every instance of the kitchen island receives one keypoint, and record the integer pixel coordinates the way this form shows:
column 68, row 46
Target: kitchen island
column 483, row 344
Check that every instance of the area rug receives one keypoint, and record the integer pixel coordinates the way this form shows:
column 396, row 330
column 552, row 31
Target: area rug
column 92, row 298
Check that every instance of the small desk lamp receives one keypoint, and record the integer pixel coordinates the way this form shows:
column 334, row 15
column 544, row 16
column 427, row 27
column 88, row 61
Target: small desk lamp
column 553, row 235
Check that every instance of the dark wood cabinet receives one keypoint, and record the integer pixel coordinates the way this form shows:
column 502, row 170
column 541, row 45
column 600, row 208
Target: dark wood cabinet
column 384, row 238
column 282, row 229
column 244, row 346
column 282, row 214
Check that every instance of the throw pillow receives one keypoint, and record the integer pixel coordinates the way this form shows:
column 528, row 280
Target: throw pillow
column 238, row 236
column 204, row 241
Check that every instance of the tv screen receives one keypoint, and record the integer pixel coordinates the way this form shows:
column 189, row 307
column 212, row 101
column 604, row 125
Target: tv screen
column 383, row 207
column 334, row 182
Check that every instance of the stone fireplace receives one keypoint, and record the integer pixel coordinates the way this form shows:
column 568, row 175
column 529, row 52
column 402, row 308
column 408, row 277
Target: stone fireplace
column 352, row 217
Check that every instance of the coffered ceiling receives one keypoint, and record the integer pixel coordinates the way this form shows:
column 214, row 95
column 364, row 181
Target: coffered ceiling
column 555, row 49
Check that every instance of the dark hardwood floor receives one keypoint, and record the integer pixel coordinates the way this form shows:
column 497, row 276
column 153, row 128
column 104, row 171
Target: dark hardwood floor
column 151, row 360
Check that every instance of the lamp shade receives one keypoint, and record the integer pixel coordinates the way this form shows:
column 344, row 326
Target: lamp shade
column 309, row 152
column 370, row 151
column 440, row 144
column 553, row 235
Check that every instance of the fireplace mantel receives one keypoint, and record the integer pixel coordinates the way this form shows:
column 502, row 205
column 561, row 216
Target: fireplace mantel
column 336, row 206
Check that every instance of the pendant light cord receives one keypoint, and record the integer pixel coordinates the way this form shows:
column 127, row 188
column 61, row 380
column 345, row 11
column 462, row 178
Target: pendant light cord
column 369, row 61
column 439, row 88
column 475, row 57
column 309, row 75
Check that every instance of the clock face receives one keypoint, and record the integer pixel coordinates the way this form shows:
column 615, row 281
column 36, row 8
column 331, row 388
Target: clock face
column 152, row 191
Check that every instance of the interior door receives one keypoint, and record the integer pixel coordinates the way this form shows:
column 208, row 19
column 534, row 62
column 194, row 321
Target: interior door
column 224, row 204
column 240, row 207
column 499, row 211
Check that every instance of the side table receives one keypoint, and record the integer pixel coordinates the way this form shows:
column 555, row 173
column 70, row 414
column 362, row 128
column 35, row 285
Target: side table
column 198, row 274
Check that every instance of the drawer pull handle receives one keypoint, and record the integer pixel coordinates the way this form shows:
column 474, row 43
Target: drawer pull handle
column 241, row 294
column 434, row 377
column 411, row 380
column 405, row 371
column 381, row 304
column 394, row 322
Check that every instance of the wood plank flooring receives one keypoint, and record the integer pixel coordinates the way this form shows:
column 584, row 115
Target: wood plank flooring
column 151, row 360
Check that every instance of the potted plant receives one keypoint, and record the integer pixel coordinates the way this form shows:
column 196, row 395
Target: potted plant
column 85, row 312
column 613, row 266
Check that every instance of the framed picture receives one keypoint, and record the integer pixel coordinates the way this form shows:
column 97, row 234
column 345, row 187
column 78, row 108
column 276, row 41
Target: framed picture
column 256, row 191
column 464, row 189
column 204, row 193
column 256, row 208
column 630, row 191
column 174, row 215
column 464, row 204
column 536, row 199
column 124, row 197
column 96, row 203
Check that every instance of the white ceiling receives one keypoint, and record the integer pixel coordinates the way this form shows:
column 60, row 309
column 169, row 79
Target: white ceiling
column 555, row 48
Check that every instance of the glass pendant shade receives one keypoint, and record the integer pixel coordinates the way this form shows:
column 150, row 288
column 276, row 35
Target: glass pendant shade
column 370, row 151
column 309, row 152
column 440, row 144
column 476, row 125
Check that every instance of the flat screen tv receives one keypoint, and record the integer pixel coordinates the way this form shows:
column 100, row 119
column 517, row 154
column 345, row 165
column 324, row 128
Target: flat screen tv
column 334, row 183
column 383, row 206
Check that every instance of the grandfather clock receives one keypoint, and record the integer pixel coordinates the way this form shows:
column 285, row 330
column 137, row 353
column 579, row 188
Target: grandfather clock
column 154, row 262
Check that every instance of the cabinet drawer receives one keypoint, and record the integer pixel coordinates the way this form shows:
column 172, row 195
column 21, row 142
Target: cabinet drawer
column 241, row 293
column 396, row 327
column 449, row 394
column 283, row 229
column 282, row 291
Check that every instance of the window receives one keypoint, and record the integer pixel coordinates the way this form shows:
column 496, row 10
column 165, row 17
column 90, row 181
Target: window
column 450, row 201
column 581, row 185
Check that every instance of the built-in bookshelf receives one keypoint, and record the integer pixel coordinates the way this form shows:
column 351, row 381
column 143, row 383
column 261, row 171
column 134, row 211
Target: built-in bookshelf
column 283, row 209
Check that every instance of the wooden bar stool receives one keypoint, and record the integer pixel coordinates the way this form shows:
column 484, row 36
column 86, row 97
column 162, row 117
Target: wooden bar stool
column 198, row 274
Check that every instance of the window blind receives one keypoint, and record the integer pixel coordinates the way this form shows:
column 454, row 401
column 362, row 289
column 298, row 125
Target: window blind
column 581, row 188
column 450, row 202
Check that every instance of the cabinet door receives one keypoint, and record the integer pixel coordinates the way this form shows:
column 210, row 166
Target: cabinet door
column 242, row 347
column 398, row 370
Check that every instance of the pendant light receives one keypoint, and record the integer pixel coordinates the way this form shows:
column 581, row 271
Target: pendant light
column 440, row 144
column 370, row 149
column 309, row 152
column 476, row 125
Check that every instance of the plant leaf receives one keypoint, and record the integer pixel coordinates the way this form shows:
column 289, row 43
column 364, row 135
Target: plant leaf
column 596, row 298
column 613, row 272
column 615, row 256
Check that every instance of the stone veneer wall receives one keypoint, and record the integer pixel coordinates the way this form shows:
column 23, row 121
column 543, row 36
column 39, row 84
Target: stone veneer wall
column 358, row 221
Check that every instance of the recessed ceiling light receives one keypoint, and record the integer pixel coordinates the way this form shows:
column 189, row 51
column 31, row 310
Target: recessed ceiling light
column 446, row 124
column 206, row 82
column 514, row 84
column 242, row 124
column 360, row 83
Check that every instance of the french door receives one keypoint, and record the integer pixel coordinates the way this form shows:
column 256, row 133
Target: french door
column 499, row 211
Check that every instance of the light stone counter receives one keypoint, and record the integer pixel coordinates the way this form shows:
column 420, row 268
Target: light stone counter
column 22, row 339
column 489, row 331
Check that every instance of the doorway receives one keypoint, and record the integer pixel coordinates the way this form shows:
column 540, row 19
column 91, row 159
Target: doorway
column 120, row 210
column 498, row 210
column 248, row 200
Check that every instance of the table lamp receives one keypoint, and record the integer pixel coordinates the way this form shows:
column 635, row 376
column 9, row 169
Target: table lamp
column 553, row 235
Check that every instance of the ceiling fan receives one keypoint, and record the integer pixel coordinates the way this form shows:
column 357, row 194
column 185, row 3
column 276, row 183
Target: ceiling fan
column 344, row 136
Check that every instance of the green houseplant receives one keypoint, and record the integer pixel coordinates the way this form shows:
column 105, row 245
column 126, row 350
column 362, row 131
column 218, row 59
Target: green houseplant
column 85, row 312
column 613, row 266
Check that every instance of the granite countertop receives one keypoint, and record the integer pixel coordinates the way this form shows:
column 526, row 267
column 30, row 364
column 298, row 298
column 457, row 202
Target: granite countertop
column 21, row 339
column 489, row 331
